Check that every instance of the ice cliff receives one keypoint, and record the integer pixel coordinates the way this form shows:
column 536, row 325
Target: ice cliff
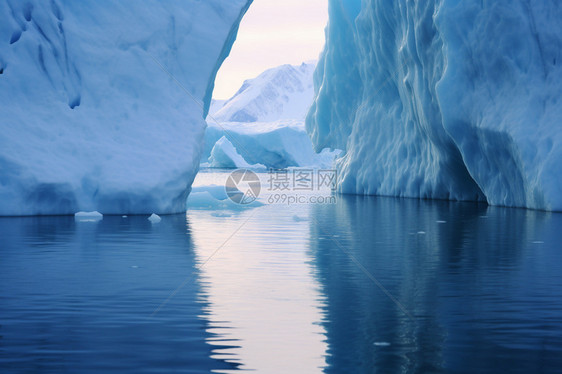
column 102, row 103
column 444, row 99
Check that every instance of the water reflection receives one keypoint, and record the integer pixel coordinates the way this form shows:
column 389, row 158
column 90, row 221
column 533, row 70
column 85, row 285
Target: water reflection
column 261, row 296
column 483, row 284
column 273, row 290
column 78, row 297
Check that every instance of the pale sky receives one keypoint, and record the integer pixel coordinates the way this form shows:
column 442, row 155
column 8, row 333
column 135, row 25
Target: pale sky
column 272, row 33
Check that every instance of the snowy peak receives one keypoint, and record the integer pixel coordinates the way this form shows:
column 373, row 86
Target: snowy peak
column 283, row 92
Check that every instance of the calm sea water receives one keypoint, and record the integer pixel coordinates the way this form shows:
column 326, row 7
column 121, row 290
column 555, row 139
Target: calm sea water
column 364, row 285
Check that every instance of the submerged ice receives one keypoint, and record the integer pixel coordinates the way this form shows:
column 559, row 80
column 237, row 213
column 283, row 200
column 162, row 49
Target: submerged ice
column 444, row 99
column 92, row 113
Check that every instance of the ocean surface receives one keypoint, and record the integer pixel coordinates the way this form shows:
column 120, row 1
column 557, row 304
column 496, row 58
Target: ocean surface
column 349, row 284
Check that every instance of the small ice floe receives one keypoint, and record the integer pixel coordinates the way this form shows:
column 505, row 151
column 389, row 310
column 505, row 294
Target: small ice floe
column 134, row 267
column 382, row 344
column 94, row 216
column 123, row 216
column 441, row 221
column 154, row 218
column 421, row 232
column 538, row 242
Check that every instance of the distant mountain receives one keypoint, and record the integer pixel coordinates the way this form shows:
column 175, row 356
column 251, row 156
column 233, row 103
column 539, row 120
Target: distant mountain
column 283, row 92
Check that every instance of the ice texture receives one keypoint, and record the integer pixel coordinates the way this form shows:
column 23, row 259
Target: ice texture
column 89, row 118
column 225, row 155
column 280, row 93
column 263, row 123
column 277, row 145
column 444, row 99
column 214, row 197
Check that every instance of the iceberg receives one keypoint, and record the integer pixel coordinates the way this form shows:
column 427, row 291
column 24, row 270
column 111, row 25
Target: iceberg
column 262, row 125
column 443, row 99
column 225, row 155
column 154, row 218
column 276, row 145
column 103, row 106
column 88, row 216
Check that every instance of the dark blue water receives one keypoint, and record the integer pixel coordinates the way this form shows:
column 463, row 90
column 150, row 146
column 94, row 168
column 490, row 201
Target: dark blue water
column 366, row 285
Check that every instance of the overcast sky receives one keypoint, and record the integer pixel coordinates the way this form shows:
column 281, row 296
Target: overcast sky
column 272, row 33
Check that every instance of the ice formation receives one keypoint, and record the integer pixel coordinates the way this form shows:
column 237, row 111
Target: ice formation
column 275, row 145
column 154, row 218
column 214, row 197
column 263, row 123
column 90, row 117
column 225, row 155
column 279, row 93
column 444, row 99
column 88, row 216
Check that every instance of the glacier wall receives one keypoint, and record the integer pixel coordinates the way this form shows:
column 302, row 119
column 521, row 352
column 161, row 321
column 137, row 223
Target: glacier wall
column 444, row 99
column 89, row 120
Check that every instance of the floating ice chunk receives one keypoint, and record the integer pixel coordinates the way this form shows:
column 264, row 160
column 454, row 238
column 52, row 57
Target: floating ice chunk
column 94, row 216
column 88, row 214
column 441, row 221
column 154, row 218
column 214, row 197
column 421, row 232
column 216, row 191
column 381, row 344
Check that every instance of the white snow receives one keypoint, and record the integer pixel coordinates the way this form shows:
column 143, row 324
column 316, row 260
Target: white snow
column 264, row 123
column 279, row 93
column 444, row 99
column 154, row 218
column 89, row 119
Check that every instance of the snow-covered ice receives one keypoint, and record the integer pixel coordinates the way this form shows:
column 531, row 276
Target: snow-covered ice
column 89, row 118
column 280, row 93
column 444, row 99
column 279, row 144
column 94, row 216
column 154, row 218
column 88, row 214
column 263, row 123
